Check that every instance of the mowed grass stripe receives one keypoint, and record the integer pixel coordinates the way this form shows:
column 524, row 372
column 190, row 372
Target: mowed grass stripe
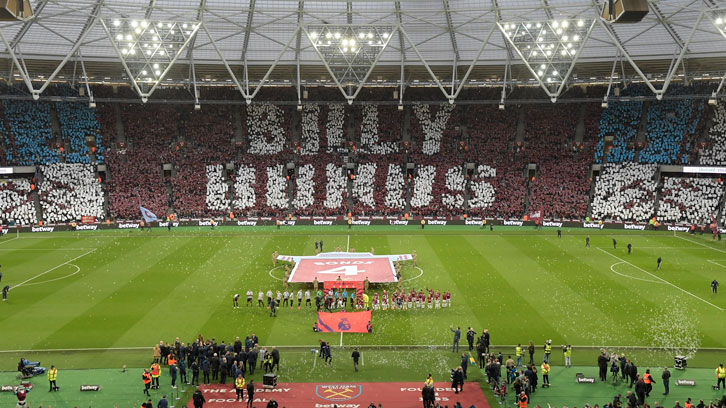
column 41, row 309
column 630, row 299
column 542, row 297
column 597, row 297
column 391, row 326
column 111, row 317
column 24, row 258
column 197, row 295
column 571, row 317
column 226, row 323
column 688, row 267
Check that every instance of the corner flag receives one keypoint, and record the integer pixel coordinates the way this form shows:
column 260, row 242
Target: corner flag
column 148, row 215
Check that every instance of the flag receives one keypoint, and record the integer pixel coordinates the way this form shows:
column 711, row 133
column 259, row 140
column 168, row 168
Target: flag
column 537, row 215
column 349, row 322
column 148, row 215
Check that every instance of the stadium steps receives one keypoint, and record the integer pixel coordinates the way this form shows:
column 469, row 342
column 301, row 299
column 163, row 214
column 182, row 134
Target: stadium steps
column 658, row 191
column 721, row 203
column 580, row 129
column 708, row 124
column 351, row 124
column 295, row 125
column 120, row 136
column 529, row 189
column 520, row 126
column 406, row 124
column 643, row 126
column 238, row 134
column 57, row 135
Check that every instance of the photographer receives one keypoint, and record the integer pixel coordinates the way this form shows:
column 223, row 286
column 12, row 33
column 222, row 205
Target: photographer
column 614, row 369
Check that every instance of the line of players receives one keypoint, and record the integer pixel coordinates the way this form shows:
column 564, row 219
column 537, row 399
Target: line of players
column 286, row 298
column 402, row 301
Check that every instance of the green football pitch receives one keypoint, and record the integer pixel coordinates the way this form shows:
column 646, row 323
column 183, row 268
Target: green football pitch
column 100, row 300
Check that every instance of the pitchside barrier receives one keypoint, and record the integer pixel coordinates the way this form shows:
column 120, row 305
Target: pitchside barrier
column 357, row 221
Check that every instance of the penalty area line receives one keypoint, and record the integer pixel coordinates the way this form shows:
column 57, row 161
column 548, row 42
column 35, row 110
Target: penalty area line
column 663, row 280
column 715, row 263
column 51, row 270
column 11, row 239
column 612, row 268
column 701, row 244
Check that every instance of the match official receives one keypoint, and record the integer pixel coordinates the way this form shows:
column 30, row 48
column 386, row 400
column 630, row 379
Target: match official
column 356, row 357
column 52, row 377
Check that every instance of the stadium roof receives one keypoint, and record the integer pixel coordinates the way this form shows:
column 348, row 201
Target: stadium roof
column 273, row 40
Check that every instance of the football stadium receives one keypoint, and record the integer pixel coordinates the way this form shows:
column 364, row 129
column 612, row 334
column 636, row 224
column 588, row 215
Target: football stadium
column 362, row 203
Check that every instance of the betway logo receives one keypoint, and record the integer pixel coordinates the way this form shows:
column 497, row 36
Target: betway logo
column 42, row 229
column 586, row 380
column 322, row 222
column 472, row 222
column 677, row 228
column 361, row 222
column 592, row 225
column 246, row 223
column 128, row 225
column 689, row 383
column 3, row 231
column 436, row 222
column 551, row 224
column 513, row 223
column 205, row 223
column 90, row 387
column 634, row 227
column 289, row 222
column 398, row 222
column 166, row 224
column 86, row 227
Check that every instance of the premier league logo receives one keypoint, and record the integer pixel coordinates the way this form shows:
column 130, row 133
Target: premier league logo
column 344, row 324
column 338, row 392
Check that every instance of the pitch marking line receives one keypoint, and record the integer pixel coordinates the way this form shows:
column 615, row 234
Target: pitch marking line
column 715, row 263
column 49, row 249
column 420, row 273
column 51, row 269
column 11, row 239
column 612, row 268
column 273, row 276
column 701, row 244
column 347, row 248
column 662, row 280
column 78, row 269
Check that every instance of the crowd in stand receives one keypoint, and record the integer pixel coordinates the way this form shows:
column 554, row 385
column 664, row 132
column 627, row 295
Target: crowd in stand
column 715, row 153
column 70, row 191
column 29, row 125
column 217, row 189
column 432, row 124
column 625, row 192
column 689, row 200
column 16, row 202
column 78, row 121
column 671, row 127
column 443, row 137
column 380, row 129
column 395, row 198
column 266, row 128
